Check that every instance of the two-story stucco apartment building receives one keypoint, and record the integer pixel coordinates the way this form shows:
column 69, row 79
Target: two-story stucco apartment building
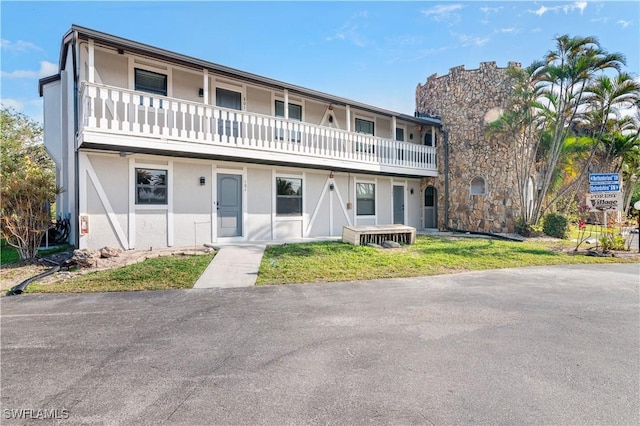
column 157, row 149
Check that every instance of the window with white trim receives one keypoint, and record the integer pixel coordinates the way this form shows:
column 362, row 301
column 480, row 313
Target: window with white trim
column 400, row 134
column 288, row 196
column 151, row 186
column 364, row 126
column 150, row 82
column 477, row 186
column 295, row 114
column 365, row 199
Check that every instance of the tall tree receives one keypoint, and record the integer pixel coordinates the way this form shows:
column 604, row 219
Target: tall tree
column 28, row 183
column 569, row 70
column 551, row 99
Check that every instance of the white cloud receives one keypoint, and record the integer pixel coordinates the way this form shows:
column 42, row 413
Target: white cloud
column 566, row 8
column 444, row 12
column 467, row 40
column 350, row 31
column 623, row 23
column 490, row 9
column 30, row 107
column 420, row 54
column 12, row 103
column 507, row 30
column 46, row 69
column 18, row 46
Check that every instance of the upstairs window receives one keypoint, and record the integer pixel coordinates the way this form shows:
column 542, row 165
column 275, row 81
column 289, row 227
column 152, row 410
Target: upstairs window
column 364, row 126
column 228, row 99
column 150, row 82
column 400, row 134
column 295, row 111
column 288, row 197
column 477, row 186
column 295, row 114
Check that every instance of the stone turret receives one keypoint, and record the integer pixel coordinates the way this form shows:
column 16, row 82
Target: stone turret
column 483, row 195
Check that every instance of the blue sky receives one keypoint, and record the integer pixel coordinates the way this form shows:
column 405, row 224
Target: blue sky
column 369, row 51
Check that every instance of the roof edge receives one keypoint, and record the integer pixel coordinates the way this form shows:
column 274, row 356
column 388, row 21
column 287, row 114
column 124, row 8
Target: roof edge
column 46, row 80
column 233, row 72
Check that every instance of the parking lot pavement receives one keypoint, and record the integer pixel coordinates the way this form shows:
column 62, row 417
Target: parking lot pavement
column 548, row 345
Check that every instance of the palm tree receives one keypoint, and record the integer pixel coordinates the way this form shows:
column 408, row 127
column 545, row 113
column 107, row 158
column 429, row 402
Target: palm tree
column 569, row 70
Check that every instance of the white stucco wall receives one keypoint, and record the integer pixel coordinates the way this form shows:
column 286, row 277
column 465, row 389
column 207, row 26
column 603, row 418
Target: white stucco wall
column 190, row 218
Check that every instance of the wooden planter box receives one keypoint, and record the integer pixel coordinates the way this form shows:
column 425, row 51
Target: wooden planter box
column 376, row 234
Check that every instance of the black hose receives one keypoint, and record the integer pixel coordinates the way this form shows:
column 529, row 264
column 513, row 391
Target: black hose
column 19, row 289
column 486, row 234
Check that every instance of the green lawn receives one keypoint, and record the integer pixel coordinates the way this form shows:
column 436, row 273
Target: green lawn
column 336, row 261
column 160, row 273
column 9, row 255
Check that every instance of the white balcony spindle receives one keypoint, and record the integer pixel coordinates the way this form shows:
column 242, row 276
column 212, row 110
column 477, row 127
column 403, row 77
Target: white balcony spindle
column 114, row 97
column 146, row 113
column 207, row 123
column 91, row 106
column 126, row 110
column 103, row 93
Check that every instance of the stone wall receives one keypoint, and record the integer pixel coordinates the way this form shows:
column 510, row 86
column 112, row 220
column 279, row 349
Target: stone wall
column 466, row 100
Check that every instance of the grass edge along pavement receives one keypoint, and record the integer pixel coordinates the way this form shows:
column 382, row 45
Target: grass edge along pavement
column 336, row 261
column 430, row 255
column 158, row 273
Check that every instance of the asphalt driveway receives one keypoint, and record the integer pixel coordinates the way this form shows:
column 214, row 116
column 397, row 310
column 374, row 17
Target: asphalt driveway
column 552, row 345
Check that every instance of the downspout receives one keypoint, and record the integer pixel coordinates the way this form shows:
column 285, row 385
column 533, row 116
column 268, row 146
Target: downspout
column 446, row 179
column 76, row 171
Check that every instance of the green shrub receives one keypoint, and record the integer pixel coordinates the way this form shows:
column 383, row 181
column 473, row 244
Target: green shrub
column 610, row 241
column 556, row 225
column 523, row 228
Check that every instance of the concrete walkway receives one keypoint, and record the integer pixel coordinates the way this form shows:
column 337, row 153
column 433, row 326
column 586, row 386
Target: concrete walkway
column 233, row 266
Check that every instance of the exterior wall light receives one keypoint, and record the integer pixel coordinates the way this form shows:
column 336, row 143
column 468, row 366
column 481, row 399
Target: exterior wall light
column 201, row 92
column 331, row 187
column 202, row 180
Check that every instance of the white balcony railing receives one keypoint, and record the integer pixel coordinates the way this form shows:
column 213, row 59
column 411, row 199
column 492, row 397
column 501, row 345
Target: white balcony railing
column 125, row 112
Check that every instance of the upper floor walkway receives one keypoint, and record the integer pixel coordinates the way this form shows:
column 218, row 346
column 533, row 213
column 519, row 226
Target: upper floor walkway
column 129, row 120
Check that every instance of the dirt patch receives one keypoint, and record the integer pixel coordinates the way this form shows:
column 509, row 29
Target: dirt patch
column 14, row 274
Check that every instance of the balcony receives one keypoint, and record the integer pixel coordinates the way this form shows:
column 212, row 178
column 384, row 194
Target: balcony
column 125, row 119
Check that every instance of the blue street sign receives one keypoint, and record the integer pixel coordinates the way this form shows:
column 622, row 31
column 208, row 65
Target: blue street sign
column 603, row 178
column 606, row 187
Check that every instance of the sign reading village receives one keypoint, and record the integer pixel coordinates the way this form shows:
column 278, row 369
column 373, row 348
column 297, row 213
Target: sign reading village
column 605, row 192
column 604, row 202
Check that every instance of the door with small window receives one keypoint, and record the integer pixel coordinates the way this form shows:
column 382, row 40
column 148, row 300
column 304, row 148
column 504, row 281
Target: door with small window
column 228, row 124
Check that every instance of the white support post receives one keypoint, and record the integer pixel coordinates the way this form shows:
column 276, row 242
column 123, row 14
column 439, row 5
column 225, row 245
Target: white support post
column 348, row 118
column 394, row 124
column 205, row 86
column 286, row 104
column 91, row 64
